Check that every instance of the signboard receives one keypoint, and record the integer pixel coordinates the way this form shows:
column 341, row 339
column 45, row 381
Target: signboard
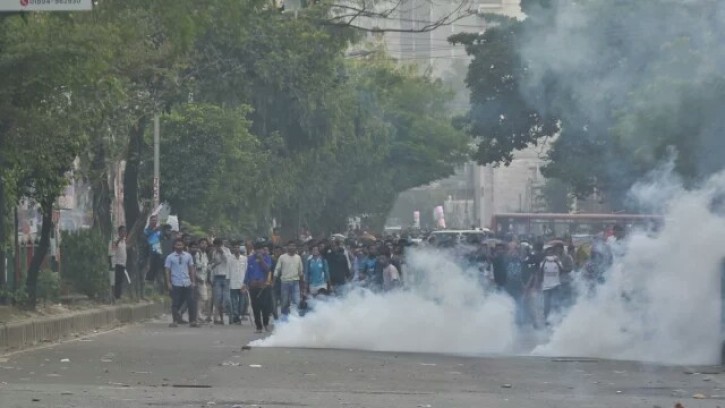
column 46, row 5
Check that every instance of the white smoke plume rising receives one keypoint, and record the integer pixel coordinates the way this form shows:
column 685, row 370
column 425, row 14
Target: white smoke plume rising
column 660, row 302
column 444, row 311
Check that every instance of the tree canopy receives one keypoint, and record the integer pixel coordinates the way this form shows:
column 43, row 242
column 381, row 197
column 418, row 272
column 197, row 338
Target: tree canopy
column 262, row 116
column 618, row 84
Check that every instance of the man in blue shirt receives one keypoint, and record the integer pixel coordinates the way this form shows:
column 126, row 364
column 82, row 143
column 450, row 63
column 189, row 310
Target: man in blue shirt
column 181, row 280
column 259, row 281
column 318, row 274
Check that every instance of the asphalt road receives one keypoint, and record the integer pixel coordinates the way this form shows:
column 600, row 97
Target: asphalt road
column 152, row 365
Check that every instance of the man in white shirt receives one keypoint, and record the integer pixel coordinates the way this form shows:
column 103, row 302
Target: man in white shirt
column 290, row 271
column 237, row 290
column 119, row 262
column 219, row 263
column 551, row 269
column 391, row 275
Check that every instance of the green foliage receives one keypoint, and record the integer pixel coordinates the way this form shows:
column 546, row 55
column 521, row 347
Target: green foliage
column 262, row 117
column 210, row 164
column 625, row 85
column 85, row 264
column 501, row 117
column 48, row 286
column 17, row 297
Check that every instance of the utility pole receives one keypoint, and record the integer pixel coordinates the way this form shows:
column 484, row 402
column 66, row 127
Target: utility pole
column 157, row 171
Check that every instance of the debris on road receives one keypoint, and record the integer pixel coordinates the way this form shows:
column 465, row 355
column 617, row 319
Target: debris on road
column 230, row 364
column 118, row 384
column 699, row 396
column 66, row 393
column 246, row 347
column 425, row 406
column 255, row 365
column 704, row 370
column 65, row 360
column 191, row 386
column 507, row 386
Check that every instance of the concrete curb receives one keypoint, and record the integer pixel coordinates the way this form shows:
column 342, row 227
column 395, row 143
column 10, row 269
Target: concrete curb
column 20, row 335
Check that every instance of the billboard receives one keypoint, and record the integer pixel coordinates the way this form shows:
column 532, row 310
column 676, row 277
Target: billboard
column 46, row 5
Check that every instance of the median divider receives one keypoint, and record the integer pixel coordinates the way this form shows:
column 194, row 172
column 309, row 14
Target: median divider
column 29, row 333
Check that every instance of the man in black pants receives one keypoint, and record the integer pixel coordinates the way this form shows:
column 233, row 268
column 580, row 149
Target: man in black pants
column 181, row 282
column 119, row 262
column 259, row 282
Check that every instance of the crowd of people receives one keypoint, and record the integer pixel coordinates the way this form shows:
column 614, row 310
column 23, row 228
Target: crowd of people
column 218, row 281
column 541, row 276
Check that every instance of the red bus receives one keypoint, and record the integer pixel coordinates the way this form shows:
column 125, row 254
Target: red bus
column 560, row 225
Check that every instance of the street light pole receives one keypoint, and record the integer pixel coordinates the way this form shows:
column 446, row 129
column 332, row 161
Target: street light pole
column 157, row 171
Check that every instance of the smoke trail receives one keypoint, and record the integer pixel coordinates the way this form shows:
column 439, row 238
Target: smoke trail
column 444, row 310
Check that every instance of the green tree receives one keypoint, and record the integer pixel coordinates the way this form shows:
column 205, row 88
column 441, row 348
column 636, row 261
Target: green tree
column 211, row 166
column 42, row 93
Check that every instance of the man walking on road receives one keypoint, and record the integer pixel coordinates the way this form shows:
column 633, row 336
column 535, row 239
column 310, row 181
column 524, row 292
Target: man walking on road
column 340, row 272
column 259, row 283
column 317, row 275
column 290, row 271
column 220, row 281
column 237, row 290
column 181, row 278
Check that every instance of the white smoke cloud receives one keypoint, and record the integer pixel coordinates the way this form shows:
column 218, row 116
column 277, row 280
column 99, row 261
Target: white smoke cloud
column 660, row 302
column 443, row 311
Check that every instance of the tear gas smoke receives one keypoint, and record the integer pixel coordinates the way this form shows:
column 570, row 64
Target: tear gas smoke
column 660, row 301
column 443, row 311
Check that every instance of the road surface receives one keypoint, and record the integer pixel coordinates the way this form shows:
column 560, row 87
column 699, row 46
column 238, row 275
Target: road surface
column 152, row 365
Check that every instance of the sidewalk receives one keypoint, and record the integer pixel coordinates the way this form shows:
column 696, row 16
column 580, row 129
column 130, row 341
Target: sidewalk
column 28, row 333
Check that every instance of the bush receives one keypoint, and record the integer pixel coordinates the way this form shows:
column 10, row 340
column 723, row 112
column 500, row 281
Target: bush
column 84, row 256
column 48, row 286
column 17, row 297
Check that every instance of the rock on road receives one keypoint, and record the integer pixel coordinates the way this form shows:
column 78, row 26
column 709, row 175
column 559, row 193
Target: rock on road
column 152, row 365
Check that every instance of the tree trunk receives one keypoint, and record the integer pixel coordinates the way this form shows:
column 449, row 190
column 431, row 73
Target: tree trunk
column 31, row 283
column 3, row 236
column 130, row 175
column 101, row 192
column 131, row 202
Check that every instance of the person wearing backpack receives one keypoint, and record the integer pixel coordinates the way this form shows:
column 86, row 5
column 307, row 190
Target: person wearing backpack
column 548, row 280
